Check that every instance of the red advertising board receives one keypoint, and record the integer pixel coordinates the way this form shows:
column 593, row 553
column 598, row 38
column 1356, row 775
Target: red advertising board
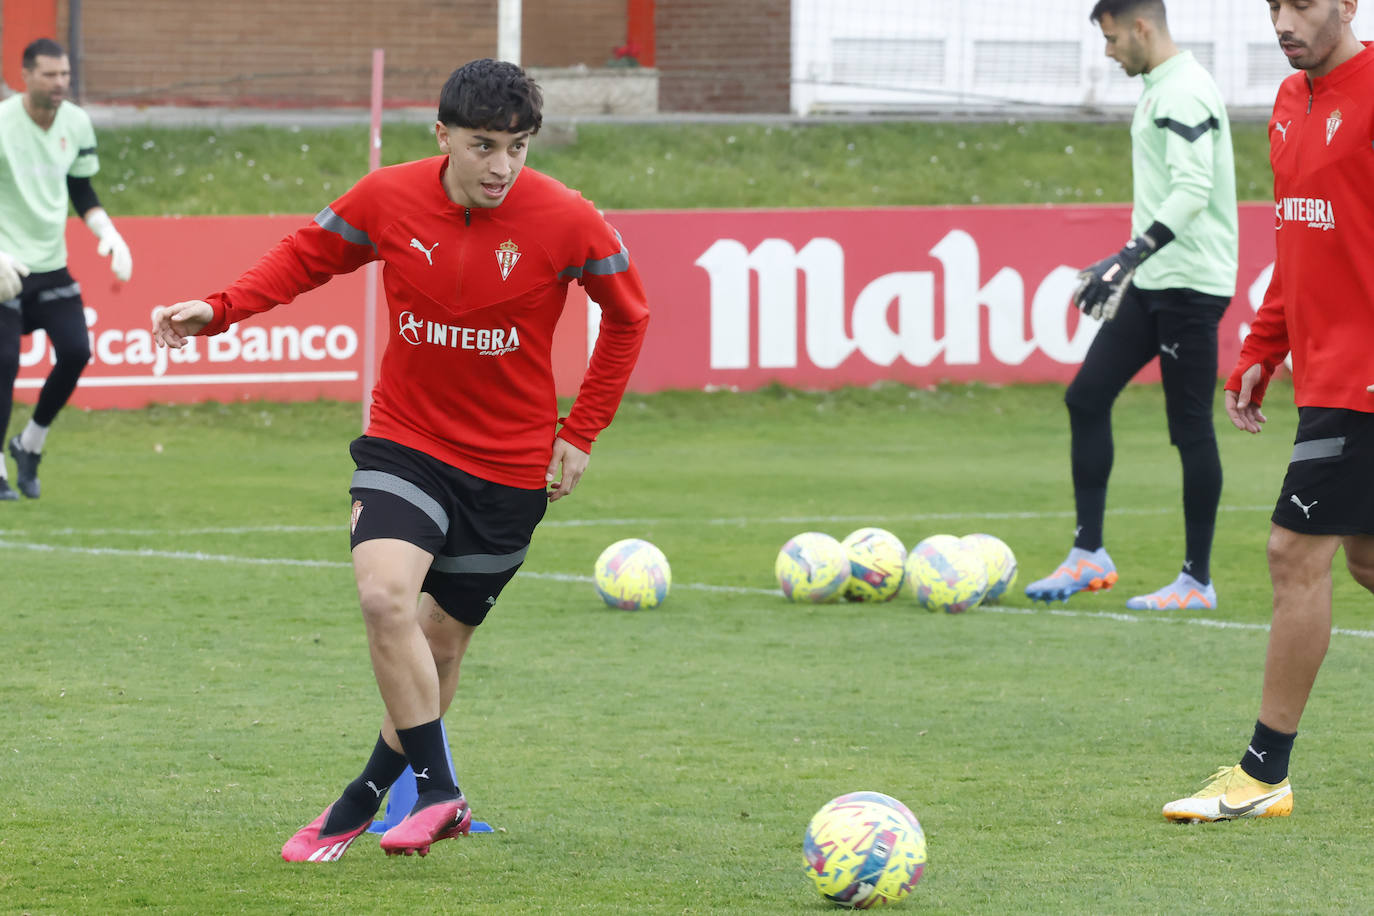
column 809, row 298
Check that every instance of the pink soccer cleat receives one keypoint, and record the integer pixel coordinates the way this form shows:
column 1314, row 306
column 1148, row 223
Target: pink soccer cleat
column 308, row 846
column 419, row 829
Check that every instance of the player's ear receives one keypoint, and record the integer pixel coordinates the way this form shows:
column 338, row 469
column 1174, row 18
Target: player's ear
column 441, row 134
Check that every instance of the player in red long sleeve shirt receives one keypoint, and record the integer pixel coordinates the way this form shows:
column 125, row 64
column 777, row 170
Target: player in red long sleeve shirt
column 463, row 450
column 1319, row 307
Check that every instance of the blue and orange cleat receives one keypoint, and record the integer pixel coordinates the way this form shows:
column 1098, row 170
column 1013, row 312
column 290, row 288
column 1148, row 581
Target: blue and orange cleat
column 1083, row 570
column 1184, row 593
column 419, row 829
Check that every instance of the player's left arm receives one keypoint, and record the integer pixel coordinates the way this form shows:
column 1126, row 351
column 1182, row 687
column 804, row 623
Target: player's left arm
column 1191, row 130
column 611, row 281
column 87, row 205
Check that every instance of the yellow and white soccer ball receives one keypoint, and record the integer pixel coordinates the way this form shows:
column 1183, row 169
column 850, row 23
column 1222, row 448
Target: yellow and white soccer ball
column 1000, row 562
column 877, row 563
column 812, row 567
column 864, row 849
column 633, row 575
column 945, row 574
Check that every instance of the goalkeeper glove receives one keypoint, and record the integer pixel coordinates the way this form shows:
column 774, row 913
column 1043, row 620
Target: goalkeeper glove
column 11, row 277
column 1102, row 286
column 111, row 243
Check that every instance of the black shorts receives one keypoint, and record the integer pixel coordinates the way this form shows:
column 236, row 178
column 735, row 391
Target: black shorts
column 478, row 531
column 47, row 299
column 1329, row 487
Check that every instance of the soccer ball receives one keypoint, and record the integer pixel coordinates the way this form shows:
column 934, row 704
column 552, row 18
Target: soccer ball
column 632, row 575
column 812, row 567
column 877, row 559
column 864, row 849
column 946, row 575
column 1000, row 561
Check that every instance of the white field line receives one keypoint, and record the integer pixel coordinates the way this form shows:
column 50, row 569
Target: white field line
column 198, row 556
column 630, row 522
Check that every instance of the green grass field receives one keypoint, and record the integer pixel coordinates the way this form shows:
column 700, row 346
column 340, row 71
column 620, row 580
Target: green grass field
column 188, row 682
column 155, row 171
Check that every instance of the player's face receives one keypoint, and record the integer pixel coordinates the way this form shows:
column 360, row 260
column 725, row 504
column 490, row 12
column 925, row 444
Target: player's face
column 1123, row 45
column 47, row 81
column 482, row 164
column 1310, row 30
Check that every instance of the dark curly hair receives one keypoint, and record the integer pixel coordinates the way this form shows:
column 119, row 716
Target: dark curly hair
column 491, row 95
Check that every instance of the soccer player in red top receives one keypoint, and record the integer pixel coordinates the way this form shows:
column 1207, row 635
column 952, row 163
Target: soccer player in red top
column 1319, row 307
column 463, row 450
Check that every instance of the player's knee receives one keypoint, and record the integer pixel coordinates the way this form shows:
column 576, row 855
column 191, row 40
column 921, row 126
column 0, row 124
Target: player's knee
column 76, row 353
column 445, row 645
column 1084, row 404
column 1194, row 435
column 1291, row 565
column 1361, row 566
column 384, row 605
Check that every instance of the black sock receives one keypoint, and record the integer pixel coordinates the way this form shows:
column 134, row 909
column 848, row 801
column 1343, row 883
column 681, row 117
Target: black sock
column 1266, row 759
column 425, row 751
column 1201, row 494
column 1091, row 506
column 363, row 796
column 1090, row 462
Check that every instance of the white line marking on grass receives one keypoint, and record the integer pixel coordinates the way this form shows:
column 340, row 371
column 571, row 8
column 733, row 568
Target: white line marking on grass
column 1154, row 617
column 626, row 522
column 149, row 553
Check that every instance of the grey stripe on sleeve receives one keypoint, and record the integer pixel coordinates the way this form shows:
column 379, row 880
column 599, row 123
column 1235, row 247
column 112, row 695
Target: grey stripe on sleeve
column 330, row 221
column 479, row 562
column 614, row 264
column 390, row 483
column 1318, row 448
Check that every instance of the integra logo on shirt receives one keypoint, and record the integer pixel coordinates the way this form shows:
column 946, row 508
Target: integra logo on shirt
column 1315, row 212
column 486, row 341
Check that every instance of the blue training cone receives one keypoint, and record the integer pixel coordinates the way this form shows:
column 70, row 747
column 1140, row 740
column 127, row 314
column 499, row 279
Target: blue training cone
column 403, row 794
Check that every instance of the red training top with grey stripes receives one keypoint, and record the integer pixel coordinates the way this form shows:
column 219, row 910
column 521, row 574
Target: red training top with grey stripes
column 1320, row 301
column 473, row 297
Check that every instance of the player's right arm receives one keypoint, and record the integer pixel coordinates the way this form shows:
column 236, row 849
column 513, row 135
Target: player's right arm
column 335, row 242
column 1264, row 347
column 173, row 324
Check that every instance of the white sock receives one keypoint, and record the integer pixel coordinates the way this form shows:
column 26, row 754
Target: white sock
column 33, row 437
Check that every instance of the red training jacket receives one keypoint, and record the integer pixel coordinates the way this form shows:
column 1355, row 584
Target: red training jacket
column 473, row 295
column 1320, row 301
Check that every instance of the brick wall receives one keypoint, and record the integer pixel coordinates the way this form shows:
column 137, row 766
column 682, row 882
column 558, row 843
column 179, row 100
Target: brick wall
column 316, row 52
column 724, row 55
column 559, row 33
column 712, row 55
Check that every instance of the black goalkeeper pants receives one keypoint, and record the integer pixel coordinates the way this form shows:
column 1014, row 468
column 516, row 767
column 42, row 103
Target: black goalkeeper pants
column 1179, row 327
column 50, row 302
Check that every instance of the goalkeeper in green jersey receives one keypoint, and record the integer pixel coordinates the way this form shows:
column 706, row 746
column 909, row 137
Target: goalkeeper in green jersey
column 47, row 158
column 1161, row 296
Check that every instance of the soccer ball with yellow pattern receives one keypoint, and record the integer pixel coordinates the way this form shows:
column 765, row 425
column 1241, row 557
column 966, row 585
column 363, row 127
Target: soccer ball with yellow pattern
column 633, row 575
column 812, row 567
column 945, row 574
column 864, row 849
column 1000, row 561
column 877, row 561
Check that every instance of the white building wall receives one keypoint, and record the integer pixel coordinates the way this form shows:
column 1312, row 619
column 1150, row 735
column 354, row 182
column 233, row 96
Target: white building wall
column 890, row 54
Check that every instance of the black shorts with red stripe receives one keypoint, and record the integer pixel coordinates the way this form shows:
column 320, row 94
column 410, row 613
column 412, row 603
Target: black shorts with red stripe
column 478, row 531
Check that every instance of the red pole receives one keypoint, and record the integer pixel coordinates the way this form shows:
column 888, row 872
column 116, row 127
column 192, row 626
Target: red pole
column 639, row 29
column 23, row 22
